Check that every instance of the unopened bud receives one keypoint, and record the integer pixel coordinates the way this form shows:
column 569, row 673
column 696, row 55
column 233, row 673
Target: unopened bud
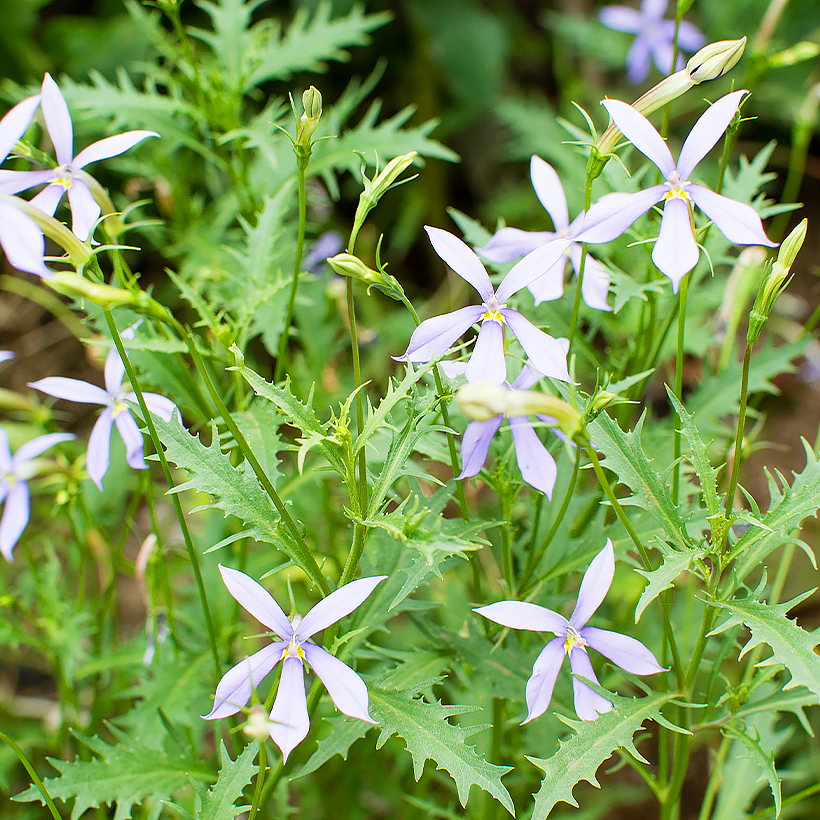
column 258, row 725
column 345, row 264
column 715, row 60
column 601, row 400
column 376, row 188
column 309, row 121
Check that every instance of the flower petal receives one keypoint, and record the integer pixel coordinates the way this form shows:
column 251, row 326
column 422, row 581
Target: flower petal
column 676, row 252
column 511, row 243
column 595, row 287
column 110, row 147
column 345, row 687
column 15, row 122
column 690, row 38
column 550, row 286
column 84, row 209
column 707, row 131
column 653, row 10
column 462, row 259
column 114, row 372
column 22, row 241
column 434, row 337
column 61, row 387
column 156, row 404
column 594, row 585
column 662, row 51
column 476, row 443
column 58, row 121
column 31, row 449
column 534, row 264
column 542, row 681
column 256, row 601
column 15, row 518
column 524, row 615
column 526, row 378
column 238, row 683
column 622, row 650
column 549, row 191
column 487, row 362
column 612, row 214
column 637, row 60
column 97, row 457
column 537, row 466
column 5, row 452
column 339, row 603
column 49, row 198
column 621, row 18
column 12, row 182
column 546, row 355
column 641, row 133
column 588, row 703
column 132, row 438
column 289, row 716
column 738, row 222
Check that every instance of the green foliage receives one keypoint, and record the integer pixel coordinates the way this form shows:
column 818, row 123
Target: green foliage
column 344, row 732
column 219, row 802
column 673, row 563
column 762, row 758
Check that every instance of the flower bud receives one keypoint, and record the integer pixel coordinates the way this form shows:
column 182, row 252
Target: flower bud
column 375, row 189
column 309, row 121
column 258, row 725
column 715, row 60
column 345, row 264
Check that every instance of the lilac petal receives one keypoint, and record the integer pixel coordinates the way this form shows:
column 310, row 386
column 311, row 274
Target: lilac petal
column 534, row 264
column 641, row 133
column 637, row 61
column 49, row 198
column 690, row 38
column 588, row 703
column 452, row 370
column 15, row 122
column 22, row 241
column 31, row 449
column 621, row 18
column 462, row 259
column 524, row 615
column 434, row 337
column 511, row 243
column 114, row 372
column 526, row 378
column 662, row 52
column 612, row 214
column 594, row 585
column 5, row 486
column 156, row 404
column 542, row 681
column 61, row 387
column 676, row 252
column 653, row 10
column 622, row 650
column 345, row 687
column 84, row 209
column 595, row 287
column 97, row 457
column 58, row 121
column 5, row 453
column 547, row 355
column 475, row 444
column 738, row 222
column 487, row 362
column 238, row 683
column 549, row 191
column 12, row 182
column 339, row 603
column 256, row 601
column 289, row 716
column 707, row 131
column 110, row 147
column 15, row 518
column 550, row 286
column 132, row 438
column 536, row 464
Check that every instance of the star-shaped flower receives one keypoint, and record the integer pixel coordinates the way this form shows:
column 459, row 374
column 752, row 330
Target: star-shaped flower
column 676, row 251
column 654, row 37
column 67, row 177
column 15, row 470
column 573, row 637
column 510, row 243
column 433, row 337
column 116, row 411
column 289, row 717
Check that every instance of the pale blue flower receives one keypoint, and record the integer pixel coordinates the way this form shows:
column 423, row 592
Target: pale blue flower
column 573, row 638
column 289, row 717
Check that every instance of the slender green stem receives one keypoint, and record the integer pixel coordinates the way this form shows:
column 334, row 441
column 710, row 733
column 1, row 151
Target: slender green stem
column 741, row 424
column 795, row 798
column 186, row 535
column 714, row 780
column 506, row 541
column 260, row 780
column 34, row 776
column 684, row 290
column 491, row 806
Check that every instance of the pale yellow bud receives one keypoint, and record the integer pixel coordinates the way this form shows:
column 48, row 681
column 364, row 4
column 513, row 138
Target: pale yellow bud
column 258, row 725
column 715, row 60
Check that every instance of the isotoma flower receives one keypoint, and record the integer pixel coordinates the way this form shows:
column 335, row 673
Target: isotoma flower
column 654, row 37
column 289, row 717
column 20, row 237
column 433, row 337
column 113, row 399
column 67, row 177
column 676, row 252
column 15, row 470
column 510, row 243
column 573, row 636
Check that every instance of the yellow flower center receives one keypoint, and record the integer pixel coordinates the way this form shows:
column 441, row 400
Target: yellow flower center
column 573, row 638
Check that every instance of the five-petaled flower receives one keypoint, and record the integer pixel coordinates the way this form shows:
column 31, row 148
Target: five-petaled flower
column 654, row 37
column 573, row 636
column 15, row 470
column 676, row 252
column 510, row 243
column 68, row 176
column 433, row 337
column 289, row 717
column 116, row 411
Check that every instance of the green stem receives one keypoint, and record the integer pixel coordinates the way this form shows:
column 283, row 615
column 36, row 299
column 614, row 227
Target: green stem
column 260, row 780
column 506, row 540
column 684, row 290
column 741, row 423
column 795, row 798
column 34, row 776
column 714, row 780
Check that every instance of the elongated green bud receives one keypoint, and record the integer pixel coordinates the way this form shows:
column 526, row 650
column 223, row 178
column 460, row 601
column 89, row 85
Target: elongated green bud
column 376, row 188
column 309, row 121
column 345, row 264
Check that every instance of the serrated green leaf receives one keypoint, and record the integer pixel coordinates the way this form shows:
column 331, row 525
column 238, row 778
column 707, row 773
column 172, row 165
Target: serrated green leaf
column 430, row 736
column 764, row 760
column 579, row 756
column 344, row 733
column 791, row 645
column 673, row 564
column 793, row 700
column 218, row 802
